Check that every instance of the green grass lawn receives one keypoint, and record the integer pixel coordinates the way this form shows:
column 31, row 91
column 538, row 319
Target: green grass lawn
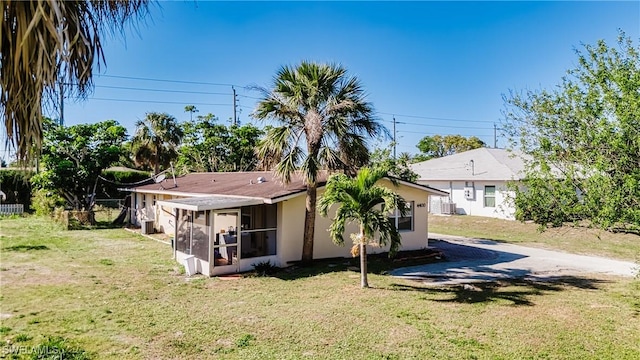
column 578, row 240
column 118, row 295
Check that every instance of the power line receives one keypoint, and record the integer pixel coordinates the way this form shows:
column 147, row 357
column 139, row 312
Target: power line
column 432, row 133
column 440, row 126
column 256, row 98
column 249, row 97
column 435, row 118
column 159, row 102
column 170, row 81
column 446, row 126
column 162, row 90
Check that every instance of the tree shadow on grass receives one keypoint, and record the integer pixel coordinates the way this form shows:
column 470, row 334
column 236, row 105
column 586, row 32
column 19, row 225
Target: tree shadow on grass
column 25, row 247
column 98, row 225
column 379, row 264
column 518, row 292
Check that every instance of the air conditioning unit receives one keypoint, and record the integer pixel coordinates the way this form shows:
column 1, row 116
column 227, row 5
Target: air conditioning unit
column 147, row 227
column 448, row 208
column 469, row 193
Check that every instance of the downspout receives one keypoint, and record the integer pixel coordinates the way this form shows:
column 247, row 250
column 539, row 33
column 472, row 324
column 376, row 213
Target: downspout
column 190, row 232
column 175, row 232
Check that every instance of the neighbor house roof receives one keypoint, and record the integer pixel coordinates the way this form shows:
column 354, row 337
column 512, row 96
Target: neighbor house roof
column 478, row 164
column 256, row 184
column 124, row 169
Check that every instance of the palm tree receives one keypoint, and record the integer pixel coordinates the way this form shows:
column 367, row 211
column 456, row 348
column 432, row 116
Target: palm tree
column 190, row 109
column 46, row 43
column 319, row 106
column 156, row 139
column 359, row 200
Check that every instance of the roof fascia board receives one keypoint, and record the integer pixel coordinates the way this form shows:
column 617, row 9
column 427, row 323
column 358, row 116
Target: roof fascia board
column 202, row 207
column 418, row 186
column 186, row 194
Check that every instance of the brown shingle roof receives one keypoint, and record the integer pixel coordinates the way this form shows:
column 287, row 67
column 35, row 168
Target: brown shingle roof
column 230, row 183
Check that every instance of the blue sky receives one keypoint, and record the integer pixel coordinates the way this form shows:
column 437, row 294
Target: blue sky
column 446, row 65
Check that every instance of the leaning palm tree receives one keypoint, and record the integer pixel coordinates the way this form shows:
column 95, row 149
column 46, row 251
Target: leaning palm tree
column 323, row 122
column 47, row 44
column 360, row 200
column 156, row 140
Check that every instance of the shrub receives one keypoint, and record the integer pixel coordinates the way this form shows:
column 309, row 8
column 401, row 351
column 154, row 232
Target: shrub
column 265, row 268
column 44, row 202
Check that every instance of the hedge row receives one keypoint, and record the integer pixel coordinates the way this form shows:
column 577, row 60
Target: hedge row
column 15, row 183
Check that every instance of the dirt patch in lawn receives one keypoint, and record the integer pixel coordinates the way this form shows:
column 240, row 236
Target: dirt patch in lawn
column 35, row 274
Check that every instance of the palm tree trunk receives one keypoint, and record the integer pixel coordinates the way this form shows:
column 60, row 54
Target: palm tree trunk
column 309, row 223
column 364, row 282
column 156, row 166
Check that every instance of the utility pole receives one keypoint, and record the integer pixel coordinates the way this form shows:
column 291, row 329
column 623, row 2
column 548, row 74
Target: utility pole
column 394, row 137
column 61, row 120
column 235, row 105
column 495, row 136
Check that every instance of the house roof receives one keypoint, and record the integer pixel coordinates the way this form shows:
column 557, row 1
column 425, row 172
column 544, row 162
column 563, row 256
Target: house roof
column 233, row 184
column 241, row 185
column 478, row 164
column 210, row 203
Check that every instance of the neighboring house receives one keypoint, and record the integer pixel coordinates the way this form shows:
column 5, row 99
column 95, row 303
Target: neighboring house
column 476, row 181
column 208, row 212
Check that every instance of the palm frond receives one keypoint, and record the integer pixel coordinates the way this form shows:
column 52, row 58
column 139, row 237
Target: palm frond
column 358, row 200
column 47, row 42
column 329, row 110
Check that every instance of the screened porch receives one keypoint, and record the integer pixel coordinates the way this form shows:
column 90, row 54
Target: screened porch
column 224, row 234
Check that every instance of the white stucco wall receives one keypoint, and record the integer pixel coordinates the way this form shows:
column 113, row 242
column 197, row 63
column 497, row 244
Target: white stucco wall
column 502, row 210
column 163, row 216
column 292, row 217
column 290, row 231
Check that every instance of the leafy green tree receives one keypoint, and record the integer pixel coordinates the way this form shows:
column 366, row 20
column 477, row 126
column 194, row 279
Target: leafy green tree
column 242, row 143
column 73, row 158
column 583, row 138
column 47, row 42
column 323, row 124
column 438, row 146
column 202, row 147
column 156, row 141
column 381, row 158
column 358, row 200
column 210, row 146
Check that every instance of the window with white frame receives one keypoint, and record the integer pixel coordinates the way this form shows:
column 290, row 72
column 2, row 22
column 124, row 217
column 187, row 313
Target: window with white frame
column 404, row 223
column 258, row 229
column 490, row 196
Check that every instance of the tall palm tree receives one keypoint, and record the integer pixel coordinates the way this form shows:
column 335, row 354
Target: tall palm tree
column 323, row 122
column 359, row 200
column 191, row 109
column 46, row 43
column 156, row 140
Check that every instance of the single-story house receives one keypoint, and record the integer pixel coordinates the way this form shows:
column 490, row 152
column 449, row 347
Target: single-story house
column 476, row 181
column 230, row 221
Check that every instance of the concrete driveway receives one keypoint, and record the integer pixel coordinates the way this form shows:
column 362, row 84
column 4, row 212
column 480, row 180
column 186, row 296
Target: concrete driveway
column 476, row 260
